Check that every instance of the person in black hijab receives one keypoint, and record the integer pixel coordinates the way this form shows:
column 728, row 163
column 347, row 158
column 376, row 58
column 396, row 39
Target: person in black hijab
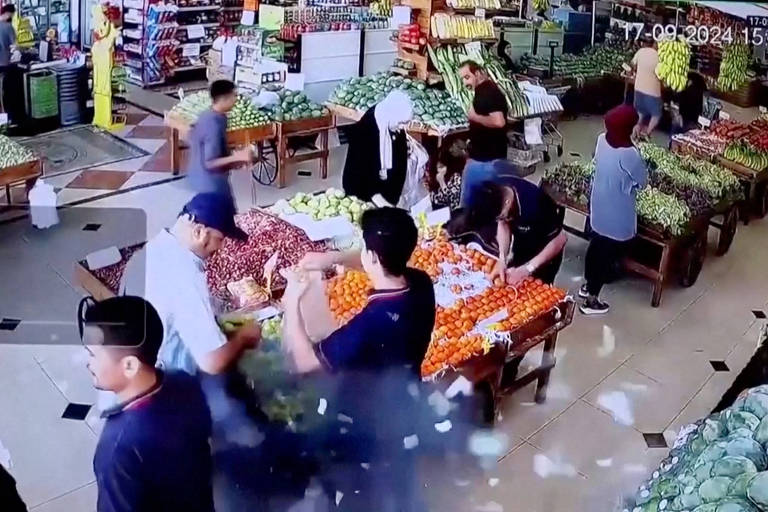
column 377, row 158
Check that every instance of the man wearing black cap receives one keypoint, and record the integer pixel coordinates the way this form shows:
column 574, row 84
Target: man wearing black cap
column 169, row 272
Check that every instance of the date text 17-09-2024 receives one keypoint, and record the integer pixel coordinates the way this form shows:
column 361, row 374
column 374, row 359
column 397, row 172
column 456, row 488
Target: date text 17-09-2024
column 698, row 34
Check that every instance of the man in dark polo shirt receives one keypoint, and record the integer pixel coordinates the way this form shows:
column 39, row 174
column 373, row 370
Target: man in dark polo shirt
column 487, row 130
column 154, row 453
column 376, row 356
column 514, row 212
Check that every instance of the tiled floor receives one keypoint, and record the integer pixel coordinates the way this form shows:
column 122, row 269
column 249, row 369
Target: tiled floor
column 636, row 371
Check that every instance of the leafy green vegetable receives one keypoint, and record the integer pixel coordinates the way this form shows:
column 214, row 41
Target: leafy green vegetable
column 757, row 491
column 714, row 489
column 733, row 466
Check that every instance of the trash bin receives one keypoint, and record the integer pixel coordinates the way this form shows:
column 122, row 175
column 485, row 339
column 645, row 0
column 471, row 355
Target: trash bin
column 41, row 88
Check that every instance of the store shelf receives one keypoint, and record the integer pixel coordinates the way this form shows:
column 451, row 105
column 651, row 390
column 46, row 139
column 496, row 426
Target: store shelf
column 191, row 67
column 205, row 25
column 232, row 8
column 200, row 8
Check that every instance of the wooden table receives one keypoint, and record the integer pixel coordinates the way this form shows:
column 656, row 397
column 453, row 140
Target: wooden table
column 755, row 183
column 755, row 188
column 27, row 172
column 235, row 138
column 319, row 126
column 652, row 252
column 491, row 373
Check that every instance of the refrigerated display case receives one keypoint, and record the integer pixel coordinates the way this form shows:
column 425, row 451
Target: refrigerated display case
column 45, row 14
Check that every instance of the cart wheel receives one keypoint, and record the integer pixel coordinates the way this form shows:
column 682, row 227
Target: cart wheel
column 727, row 230
column 545, row 155
column 694, row 262
column 560, row 150
column 264, row 168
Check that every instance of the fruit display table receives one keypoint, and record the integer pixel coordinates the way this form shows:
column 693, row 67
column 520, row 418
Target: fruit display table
column 319, row 126
column 755, row 182
column 481, row 328
column 26, row 172
column 235, row 138
column 653, row 253
column 267, row 234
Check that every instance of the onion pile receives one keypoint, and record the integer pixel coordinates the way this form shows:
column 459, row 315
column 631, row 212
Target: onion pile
column 266, row 234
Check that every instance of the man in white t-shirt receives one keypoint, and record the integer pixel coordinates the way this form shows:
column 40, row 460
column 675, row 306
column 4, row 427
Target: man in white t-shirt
column 170, row 273
column 647, row 88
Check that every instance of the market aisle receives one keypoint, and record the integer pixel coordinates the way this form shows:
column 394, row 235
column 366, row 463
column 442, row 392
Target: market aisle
column 635, row 371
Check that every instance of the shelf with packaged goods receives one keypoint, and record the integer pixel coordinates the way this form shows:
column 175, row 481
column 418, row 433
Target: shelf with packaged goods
column 212, row 7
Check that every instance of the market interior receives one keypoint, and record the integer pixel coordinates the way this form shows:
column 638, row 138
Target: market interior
column 643, row 393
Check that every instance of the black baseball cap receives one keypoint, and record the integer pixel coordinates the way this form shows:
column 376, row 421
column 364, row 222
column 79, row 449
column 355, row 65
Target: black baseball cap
column 216, row 211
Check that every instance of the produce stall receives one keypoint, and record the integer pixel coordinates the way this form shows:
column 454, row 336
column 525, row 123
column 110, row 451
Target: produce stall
column 480, row 326
column 674, row 212
column 17, row 164
column 246, row 124
column 741, row 148
column 268, row 129
column 718, row 463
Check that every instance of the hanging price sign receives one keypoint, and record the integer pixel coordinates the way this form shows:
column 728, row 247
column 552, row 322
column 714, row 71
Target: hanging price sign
column 195, row 32
column 190, row 50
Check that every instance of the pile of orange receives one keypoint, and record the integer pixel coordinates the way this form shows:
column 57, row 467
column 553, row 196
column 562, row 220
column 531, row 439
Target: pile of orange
column 427, row 257
column 451, row 344
column 348, row 294
column 451, row 352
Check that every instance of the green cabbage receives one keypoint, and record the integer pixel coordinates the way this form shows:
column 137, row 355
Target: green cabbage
column 707, row 507
column 703, row 472
column 757, row 491
column 761, row 433
column 750, row 449
column 757, row 404
column 739, row 419
column 712, row 430
column 735, row 505
column 714, row 489
column 733, row 466
column 687, row 501
column 740, row 484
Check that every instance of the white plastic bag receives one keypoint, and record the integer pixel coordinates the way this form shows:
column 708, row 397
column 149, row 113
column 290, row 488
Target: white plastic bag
column 42, row 205
column 414, row 189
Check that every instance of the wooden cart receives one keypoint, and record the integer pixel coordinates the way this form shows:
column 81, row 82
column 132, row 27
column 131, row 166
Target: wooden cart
column 235, row 138
column 319, row 126
column 653, row 253
column 27, row 172
column 755, row 183
column 755, row 188
column 494, row 374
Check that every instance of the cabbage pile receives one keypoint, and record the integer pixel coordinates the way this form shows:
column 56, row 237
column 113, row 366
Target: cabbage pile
column 718, row 464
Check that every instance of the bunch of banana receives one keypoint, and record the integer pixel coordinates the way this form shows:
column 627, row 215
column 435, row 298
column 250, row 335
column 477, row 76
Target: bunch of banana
column 381, row 7
column 472, row 4
column 445, row 26
column 674, row 62
column 733, row 67
column 540, row 5
column 746, row 155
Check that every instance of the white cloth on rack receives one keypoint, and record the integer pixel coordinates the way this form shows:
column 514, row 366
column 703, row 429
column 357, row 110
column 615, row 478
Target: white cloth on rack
column 391, row 114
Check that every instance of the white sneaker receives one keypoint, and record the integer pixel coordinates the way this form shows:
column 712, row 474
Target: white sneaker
column 583, row 293
column 594, row 307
